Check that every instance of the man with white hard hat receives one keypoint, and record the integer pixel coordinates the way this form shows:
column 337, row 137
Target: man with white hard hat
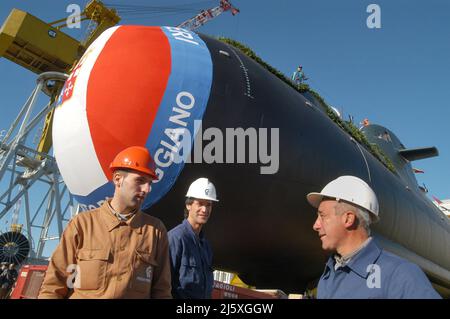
column 358, row 268
column 190, row 252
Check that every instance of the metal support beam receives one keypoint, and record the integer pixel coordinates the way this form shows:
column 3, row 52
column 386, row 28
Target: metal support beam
column 31, row 188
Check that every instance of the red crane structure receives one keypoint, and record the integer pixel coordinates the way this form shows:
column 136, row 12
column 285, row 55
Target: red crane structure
column 207, row 15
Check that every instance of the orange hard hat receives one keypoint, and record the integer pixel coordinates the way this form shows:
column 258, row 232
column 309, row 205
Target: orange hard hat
column 136, row 158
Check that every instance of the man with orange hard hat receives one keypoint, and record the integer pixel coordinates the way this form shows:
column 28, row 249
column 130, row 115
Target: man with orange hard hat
column 116, row 250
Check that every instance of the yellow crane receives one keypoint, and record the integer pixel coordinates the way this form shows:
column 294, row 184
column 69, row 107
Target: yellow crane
column 41, row 47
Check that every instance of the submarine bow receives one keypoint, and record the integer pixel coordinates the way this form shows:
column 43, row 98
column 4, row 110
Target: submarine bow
column 149, row 85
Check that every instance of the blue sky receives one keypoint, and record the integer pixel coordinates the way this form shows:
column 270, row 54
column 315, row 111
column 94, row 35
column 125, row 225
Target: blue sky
column 397, row 76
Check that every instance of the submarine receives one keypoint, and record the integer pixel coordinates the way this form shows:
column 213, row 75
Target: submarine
column 205, row 109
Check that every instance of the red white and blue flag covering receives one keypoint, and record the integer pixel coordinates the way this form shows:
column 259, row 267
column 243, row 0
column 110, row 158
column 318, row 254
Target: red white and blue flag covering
column 135, row 85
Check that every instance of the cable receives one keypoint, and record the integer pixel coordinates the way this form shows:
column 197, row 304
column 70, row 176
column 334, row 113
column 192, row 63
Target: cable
column 365, row 160
column 132, row 9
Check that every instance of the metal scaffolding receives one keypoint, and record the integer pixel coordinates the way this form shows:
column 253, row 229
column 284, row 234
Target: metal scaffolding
column 32, row 191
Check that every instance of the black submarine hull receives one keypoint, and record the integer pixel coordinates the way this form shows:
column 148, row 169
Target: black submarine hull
column 262, row 226
column 139, row 85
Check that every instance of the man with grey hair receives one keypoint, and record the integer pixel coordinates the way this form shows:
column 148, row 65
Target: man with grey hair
column 358, row 268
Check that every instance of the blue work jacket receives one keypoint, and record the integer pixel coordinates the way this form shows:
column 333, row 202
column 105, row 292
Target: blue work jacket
column 298, row 77
column 191, row 263
column 374, row 273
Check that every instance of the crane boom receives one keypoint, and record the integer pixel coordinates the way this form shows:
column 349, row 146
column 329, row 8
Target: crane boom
column 207, row 15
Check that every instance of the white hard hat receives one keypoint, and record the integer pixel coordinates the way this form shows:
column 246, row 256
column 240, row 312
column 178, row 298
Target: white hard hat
column 202, row 188
column 350, row 189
